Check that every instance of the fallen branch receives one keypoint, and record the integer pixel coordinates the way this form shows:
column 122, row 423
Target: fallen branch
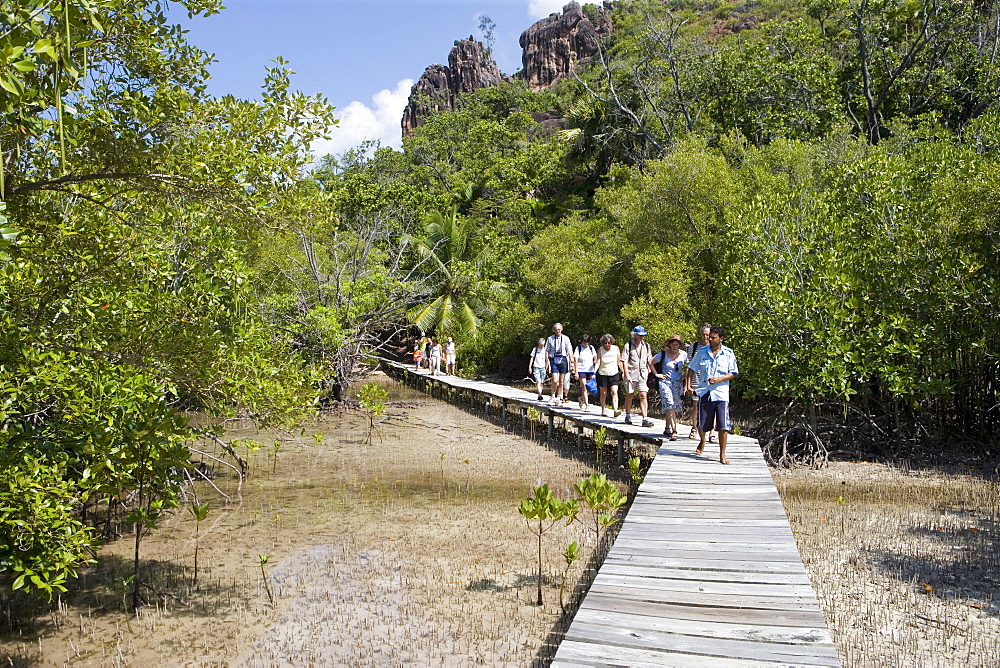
column 209, row 480
column 229, row 449
column 164, row 594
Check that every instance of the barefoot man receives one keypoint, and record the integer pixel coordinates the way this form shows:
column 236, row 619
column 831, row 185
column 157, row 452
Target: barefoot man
column 715, row 365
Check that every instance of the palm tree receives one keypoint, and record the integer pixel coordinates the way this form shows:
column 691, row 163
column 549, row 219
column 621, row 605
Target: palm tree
column 457, row 291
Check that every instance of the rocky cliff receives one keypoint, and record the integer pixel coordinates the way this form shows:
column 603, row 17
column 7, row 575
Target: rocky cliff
column 552, row 47
column 470, row 67
column 550, row 50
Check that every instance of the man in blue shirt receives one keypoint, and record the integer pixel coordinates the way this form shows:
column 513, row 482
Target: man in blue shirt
column 715, row 366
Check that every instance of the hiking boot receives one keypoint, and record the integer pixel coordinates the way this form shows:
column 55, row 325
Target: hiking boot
column 666, row 430
column 539, row 397
column 628, row 419
column 647, row 423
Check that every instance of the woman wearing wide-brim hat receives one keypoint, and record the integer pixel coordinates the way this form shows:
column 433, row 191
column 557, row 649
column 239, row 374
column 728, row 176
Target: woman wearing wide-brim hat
column 671, row 382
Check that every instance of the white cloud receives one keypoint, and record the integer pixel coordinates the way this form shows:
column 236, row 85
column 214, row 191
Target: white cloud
column 539, row 9
column 360, row 122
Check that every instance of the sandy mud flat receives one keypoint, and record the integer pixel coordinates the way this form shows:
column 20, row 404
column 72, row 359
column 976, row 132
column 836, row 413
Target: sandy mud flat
column 410, row 551
column 905, row 562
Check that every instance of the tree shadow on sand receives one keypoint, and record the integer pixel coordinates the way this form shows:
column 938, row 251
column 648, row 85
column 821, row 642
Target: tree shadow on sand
column 964, row 568
column 520, row 581
column 104, row 589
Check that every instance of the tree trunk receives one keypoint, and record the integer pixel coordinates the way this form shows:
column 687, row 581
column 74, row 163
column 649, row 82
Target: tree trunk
column 136, row 599
column 539, row 562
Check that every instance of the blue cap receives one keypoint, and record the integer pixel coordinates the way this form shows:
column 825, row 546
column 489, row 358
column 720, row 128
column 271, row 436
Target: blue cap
column 640, row 330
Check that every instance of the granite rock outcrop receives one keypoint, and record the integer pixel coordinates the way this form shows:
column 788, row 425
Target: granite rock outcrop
column 470, row 67
column 552, row 47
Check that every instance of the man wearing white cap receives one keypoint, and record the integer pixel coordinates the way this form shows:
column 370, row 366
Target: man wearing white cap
column 637, row 364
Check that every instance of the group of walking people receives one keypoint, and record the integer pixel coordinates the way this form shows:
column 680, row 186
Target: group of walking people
column 702, row 370
column 429, row 352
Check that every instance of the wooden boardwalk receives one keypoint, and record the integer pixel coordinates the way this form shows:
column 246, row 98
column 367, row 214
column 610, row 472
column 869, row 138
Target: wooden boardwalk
column 704, row 571
column 513, row 404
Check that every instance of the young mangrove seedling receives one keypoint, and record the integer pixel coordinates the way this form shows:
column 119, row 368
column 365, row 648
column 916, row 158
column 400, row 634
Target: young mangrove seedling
column 372, row 398
column 199, row 512
column 263, row 559
column 276, row 449
column 600, row 439
column 546, row 509
column 634, row 471
column 603, row 498
column 571, row 554
column 533, row 416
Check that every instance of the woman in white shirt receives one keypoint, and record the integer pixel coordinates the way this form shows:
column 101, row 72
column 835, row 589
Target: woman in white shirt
column 609, row 375
column 449, row 357
column 586, row 366
column 435, row 358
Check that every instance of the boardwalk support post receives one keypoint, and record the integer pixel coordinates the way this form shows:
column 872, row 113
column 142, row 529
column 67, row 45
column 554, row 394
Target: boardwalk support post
column 503, row 413
column 524, row 420
column 579, row 437
column 621, row 448
column 552, row 420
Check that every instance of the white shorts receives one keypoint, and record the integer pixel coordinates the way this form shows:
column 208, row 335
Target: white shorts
column 633, row 386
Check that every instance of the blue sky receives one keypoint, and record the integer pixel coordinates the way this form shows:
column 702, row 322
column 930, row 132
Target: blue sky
column 363, row 55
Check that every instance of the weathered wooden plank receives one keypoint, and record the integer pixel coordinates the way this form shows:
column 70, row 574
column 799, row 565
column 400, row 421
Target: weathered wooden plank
column 731, row 601
column 713, row 563
column 815, row 655
column 719, row 524
column 771, row 536
column 789, row 635
column 576, row 653
column 694, row 574
column 662, row 519
column 650, row 508
column 706, row 613
column 695, row 551
column 708, row 588
column 722, row 493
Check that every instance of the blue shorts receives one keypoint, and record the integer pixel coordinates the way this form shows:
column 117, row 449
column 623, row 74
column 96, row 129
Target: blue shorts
column 538, row 375
column 713, row 414
column 560, row 364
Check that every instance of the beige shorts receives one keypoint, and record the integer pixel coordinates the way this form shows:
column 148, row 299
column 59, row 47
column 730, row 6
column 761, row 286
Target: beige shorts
column 633, row 386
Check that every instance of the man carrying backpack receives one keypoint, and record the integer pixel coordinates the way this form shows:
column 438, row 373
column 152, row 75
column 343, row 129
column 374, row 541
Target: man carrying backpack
column 637, row 364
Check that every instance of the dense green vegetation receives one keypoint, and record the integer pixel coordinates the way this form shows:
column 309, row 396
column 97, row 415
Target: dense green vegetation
column 817, row 177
